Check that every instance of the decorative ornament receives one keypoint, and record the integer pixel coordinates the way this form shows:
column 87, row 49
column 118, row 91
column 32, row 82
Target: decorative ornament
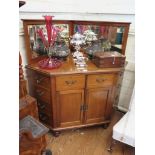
column 77, row 41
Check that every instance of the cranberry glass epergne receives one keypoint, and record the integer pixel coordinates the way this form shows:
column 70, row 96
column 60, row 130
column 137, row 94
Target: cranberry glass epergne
column 52, row 32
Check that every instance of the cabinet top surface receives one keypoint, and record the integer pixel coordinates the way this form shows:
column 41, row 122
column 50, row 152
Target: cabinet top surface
column 68, row 67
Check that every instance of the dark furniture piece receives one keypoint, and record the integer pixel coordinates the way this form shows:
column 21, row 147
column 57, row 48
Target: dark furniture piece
column 32, row 139
column 32, row 136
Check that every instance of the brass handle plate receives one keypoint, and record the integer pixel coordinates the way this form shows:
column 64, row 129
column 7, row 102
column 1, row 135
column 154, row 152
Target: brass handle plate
column 41, row 106
column 100, row 80
column 40, row 93
column 70, row 82
column 39, row 80
column 43, row 117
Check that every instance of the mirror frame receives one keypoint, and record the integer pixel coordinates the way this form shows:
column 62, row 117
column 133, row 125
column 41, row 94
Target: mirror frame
column 71, row 24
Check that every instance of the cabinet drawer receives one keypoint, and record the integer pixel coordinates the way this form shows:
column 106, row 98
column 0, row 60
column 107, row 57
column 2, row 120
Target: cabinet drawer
column 44, row 107
column 70, row 82
column 42, row 94
column 100, row 80
column 42, row 80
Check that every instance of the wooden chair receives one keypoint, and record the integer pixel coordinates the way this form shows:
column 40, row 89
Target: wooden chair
column 32, row 139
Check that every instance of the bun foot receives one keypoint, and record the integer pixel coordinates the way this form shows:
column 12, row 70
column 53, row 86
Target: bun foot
column 47, row 152
column 56, row 133
column 105, row 126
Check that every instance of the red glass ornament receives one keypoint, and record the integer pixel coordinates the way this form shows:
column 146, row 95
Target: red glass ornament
column 49, row 63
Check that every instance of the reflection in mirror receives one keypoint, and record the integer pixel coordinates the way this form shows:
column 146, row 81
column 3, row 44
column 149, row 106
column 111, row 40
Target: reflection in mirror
column 61, row 46
column 101, row 37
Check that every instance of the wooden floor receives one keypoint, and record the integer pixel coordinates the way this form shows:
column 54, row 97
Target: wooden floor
column 87, row 141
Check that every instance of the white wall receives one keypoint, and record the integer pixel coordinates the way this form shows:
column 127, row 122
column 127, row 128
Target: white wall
column 85, row 6
column 99, row 10
column 104, row 10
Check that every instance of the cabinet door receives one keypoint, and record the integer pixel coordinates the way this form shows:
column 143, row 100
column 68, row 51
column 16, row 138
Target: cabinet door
column 69, row 107
column 97, row 102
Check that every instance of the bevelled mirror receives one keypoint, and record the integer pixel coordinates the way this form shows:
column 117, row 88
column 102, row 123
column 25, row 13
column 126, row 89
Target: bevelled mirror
column 100, row 36
column 103, row 36
column 34, row 45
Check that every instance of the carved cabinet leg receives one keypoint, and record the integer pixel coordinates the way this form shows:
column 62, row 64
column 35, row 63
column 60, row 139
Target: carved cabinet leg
column 105, row 126
column 47, row 152
column 56, row 133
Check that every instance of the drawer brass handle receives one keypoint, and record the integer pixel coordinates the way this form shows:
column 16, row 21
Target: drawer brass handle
column 99, row 80
column 40, row 93
column 41, row 106
column 70, row 82
column 39, row 80
column 43, row 117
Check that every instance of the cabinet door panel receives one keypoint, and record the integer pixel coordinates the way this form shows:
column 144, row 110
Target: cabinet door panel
column 97, row 100
column 69, row 103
